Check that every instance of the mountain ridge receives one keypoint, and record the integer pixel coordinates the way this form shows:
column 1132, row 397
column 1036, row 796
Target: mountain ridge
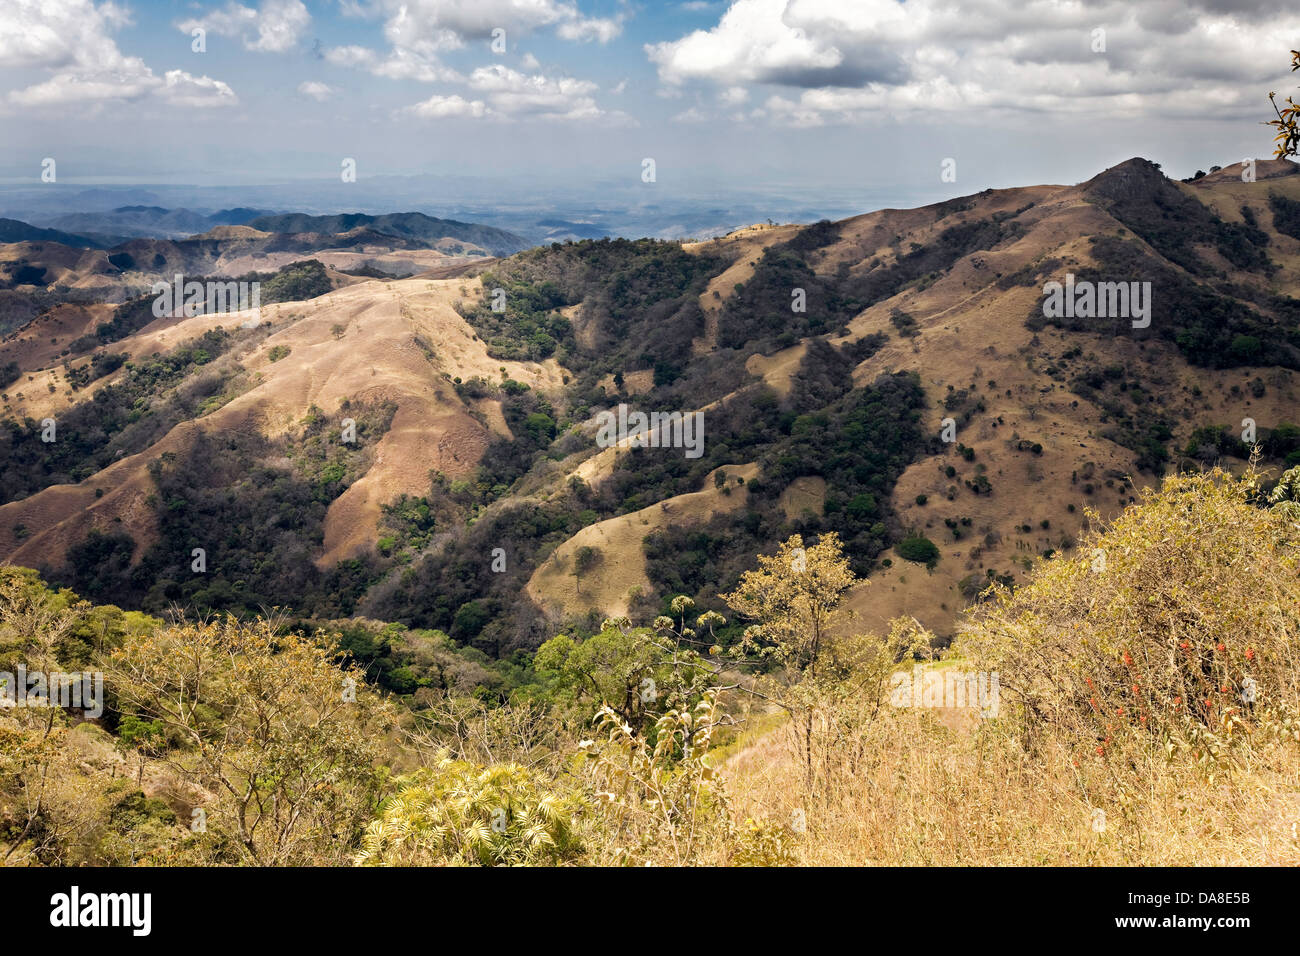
column 407, row 225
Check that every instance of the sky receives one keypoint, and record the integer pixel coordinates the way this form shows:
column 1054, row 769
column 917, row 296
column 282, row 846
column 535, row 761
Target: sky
column 807, row 98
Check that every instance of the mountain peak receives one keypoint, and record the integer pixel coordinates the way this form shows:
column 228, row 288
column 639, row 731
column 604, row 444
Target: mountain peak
column 1132, row 179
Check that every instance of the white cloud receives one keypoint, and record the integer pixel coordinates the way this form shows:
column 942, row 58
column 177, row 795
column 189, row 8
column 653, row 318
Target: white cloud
column 507, row 94
column 274, row 27
column 317, row 91
column 428, row 27
column 73, row 33
column 444, row 107
column 69, row 88
column 183, row 89
column 398, row 65
column 73, row 40
column 599, row 29
column 751, row 43
column 517, row 94
column 419, row 32
column 834, row 61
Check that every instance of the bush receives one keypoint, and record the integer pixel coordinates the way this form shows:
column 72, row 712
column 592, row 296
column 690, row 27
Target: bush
column 1170, row 635
column 918, row 549
column 459, row 813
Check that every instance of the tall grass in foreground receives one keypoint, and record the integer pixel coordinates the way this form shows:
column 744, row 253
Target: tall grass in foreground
column 1148, row 712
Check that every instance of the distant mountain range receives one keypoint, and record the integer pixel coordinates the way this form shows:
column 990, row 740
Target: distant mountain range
column 404, row 225
column 13, row 230
column 104, row 230
column 91, row 261
column 152, row 222
column 542, row 211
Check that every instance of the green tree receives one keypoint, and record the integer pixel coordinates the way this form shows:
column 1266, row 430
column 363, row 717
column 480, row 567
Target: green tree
column 834, row 678
column 285, row 739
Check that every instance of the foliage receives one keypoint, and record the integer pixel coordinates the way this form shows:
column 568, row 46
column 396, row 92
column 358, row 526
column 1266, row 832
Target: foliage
column 630, row 292
column 122, row 418
column 295, row 282
column 635, row 673
column 760, row 310
column 834, row 680
column 257, row 521
column 1170, row 632
column 1211, row 324
column 280, row 737
column 1286, row 214
column 663, row 794
column 458, row 813
column 1288, row 119
column 794, row 596
column 918, row 548
column 127, row 318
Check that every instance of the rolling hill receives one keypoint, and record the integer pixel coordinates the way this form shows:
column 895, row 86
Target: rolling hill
column 474, row 497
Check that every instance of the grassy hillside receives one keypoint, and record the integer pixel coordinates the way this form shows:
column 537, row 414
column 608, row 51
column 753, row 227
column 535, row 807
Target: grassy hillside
column 1137, row 708
column 890, row 378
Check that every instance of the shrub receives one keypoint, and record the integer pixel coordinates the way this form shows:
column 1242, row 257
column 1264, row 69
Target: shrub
column 459, row 813
column 1170, row 635
column 919, row 549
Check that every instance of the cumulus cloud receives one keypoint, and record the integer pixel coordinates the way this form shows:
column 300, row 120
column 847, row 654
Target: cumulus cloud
column 320, row 92
column 599, row 29
column 419, row 32
column 183, row 89
column 512, row 93
column 72, row 39
column 506, row 94
column 476, row 19
column 398, row 64
column 827, row 61
column 274, row 27
column 444, row 107
column 55, row 35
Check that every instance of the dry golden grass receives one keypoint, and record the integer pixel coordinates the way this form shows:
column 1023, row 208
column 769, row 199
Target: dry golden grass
column 608, row 587
column 930, row 795
column 1149, row 712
